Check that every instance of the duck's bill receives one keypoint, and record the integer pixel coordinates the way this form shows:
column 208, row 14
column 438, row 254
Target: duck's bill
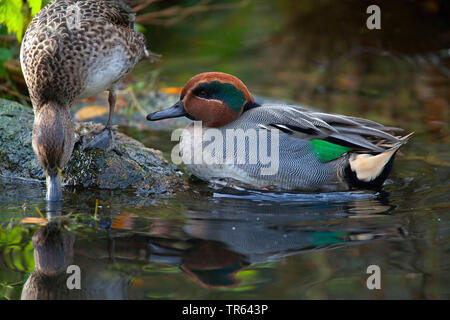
column 54, row 188
column 177, row 110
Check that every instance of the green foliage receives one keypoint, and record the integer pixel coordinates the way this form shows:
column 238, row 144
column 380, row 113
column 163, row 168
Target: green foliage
column 16, row 258
column 35, row 6
column 16, row 248
column 12, row 17
column 15, row 15
column 5, row 55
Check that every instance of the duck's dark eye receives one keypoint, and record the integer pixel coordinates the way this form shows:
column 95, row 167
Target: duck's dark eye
column 202, row 94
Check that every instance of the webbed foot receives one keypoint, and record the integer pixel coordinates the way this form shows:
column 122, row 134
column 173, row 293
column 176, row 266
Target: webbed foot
column 103, row 141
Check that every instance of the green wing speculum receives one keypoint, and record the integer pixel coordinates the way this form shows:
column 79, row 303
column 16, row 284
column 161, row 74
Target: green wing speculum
column 327, row 151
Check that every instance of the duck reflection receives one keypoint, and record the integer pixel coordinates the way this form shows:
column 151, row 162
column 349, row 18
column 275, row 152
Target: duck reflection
column 211, row 246
column 229, row 238
column 54, row 251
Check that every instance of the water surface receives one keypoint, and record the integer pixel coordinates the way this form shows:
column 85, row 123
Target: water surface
column 223, row 243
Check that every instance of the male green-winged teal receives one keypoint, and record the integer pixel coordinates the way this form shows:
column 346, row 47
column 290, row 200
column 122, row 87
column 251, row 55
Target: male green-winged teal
column 316, row 151
column 75, row 49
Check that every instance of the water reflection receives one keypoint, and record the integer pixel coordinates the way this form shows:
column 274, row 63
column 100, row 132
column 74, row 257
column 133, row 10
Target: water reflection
column 211, row 242
column 53, row 253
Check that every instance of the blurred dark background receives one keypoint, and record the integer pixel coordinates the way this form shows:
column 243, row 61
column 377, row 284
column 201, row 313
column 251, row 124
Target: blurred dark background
column 318, row 53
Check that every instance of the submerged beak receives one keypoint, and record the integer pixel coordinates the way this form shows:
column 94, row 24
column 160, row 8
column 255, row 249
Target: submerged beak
column 54, row 181
column 177, row 110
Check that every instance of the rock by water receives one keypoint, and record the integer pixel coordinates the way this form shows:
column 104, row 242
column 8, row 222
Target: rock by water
column 129, row 165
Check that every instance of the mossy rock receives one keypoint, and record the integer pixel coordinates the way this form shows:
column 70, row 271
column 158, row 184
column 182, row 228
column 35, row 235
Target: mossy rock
column 129, row 165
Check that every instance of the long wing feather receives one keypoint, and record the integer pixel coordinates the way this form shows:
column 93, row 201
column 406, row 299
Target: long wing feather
column 361, row 134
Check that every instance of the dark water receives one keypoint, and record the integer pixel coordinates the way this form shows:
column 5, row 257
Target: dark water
column 219, row 243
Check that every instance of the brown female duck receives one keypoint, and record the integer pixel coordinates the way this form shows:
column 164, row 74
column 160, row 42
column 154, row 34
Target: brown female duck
column 75, row 49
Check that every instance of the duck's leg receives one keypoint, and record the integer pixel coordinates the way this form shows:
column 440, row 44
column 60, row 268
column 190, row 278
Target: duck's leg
column 112, row 104
column 105, row 140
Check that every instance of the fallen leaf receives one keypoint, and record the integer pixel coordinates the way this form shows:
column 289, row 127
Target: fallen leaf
column 33, row 220
column 138, row 283
column 124, row 221
column 90, row 112
column 171, row 90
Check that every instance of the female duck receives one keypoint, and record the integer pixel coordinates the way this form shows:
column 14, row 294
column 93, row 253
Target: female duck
column 304, row 150
column 75, row 49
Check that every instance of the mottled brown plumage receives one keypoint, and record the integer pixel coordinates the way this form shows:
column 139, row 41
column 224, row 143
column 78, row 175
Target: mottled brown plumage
column 75, row 49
